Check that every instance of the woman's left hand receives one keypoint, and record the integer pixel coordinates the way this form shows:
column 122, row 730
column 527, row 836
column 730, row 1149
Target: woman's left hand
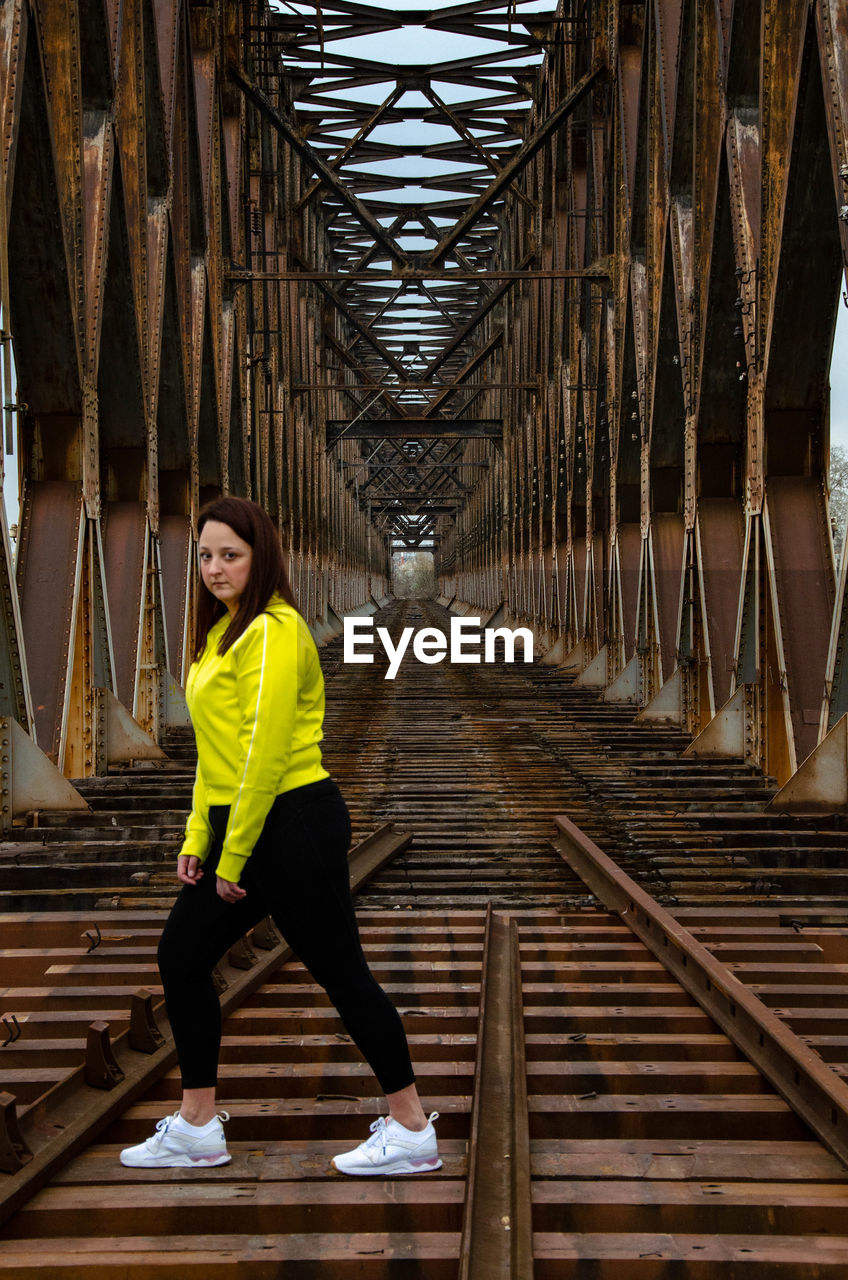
column 229, row 891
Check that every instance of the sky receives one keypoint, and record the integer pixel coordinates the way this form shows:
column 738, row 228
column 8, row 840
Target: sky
column 839, row 382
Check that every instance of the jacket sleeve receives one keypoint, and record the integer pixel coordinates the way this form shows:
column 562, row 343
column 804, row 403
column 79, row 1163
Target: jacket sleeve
column 198, row 833
column 265, row 659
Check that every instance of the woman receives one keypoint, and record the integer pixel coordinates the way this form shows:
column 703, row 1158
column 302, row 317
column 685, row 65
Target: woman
column 267, row 835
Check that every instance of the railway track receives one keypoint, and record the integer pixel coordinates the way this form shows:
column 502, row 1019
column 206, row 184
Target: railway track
column 645, row 1136
column 595, row 1120
column 464, row 754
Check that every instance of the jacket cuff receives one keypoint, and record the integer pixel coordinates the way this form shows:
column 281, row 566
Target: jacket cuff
column 231, row 865
column 195, row 845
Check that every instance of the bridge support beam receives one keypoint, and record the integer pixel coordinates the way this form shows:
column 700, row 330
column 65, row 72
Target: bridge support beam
column 820, row 784
column 668, row 706
column 731, row 733
column 30, row 780
column 594, row 675
column 125, row 739
column 627, row 685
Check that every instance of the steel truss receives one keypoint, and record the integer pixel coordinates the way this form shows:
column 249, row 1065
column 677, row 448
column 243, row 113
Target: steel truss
column 661, row 513
column 560, row 307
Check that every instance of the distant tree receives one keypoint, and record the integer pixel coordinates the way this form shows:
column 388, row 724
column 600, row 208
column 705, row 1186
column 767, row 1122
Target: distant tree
column 838, row 494
column 415, row 578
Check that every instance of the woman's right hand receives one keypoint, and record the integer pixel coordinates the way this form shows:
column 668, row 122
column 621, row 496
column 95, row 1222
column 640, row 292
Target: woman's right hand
column 189, row 869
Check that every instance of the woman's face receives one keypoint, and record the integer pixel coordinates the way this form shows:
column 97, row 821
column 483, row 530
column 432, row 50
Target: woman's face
column 225, row 561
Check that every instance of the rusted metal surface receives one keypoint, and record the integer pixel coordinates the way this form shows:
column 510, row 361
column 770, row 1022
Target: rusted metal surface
column 497, row 1238
column 814, row 1092
column 667, row 560
column 127, row 550
column 720, row 540
column 47, row 568
column 804, row 585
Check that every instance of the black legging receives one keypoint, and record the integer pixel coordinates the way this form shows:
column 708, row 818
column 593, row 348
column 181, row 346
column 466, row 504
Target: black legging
column 298, row 874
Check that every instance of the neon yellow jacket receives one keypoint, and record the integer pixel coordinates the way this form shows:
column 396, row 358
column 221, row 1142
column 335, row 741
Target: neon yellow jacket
column 257, row 712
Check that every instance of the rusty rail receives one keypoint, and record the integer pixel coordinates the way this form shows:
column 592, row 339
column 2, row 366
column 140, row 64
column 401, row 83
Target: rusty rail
column 497, row 1232
column 811, row 1088
column 71, row 1114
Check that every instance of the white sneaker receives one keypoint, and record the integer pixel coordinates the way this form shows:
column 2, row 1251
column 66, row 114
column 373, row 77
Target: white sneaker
column 177, row 1145
column 392, row 1149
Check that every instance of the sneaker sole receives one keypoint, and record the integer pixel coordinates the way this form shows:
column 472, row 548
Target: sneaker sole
column 177, row 1162
column 389, row 1171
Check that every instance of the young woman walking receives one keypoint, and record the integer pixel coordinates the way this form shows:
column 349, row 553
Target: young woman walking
column 268, row 834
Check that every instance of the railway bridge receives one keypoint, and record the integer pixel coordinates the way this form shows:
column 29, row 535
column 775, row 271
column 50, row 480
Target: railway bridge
column 545, row 293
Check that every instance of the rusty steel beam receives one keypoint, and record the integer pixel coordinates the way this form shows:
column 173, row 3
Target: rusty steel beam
column 411, row 386
column 238, row 275
column 479, row 357
column 497, row 1231
column 463, row 334
column 677, row 549
column 483, row 464
column 353, row 143
column 414, row 428
column 518, row 162
column 288, row 129
column 359, row 327
column 410, row 506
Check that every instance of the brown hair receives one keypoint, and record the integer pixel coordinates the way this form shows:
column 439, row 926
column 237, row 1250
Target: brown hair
column 267, row 571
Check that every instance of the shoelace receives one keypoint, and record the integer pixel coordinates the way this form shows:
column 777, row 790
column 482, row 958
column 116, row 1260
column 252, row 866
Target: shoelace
column 379, row 1131
column 378, row 1134
column 162, row 1126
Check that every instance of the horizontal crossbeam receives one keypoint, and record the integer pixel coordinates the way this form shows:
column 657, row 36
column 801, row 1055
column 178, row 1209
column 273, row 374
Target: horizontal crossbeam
column 421, row 273
column 414, row 428
column 415, row 507
column 364, row 387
